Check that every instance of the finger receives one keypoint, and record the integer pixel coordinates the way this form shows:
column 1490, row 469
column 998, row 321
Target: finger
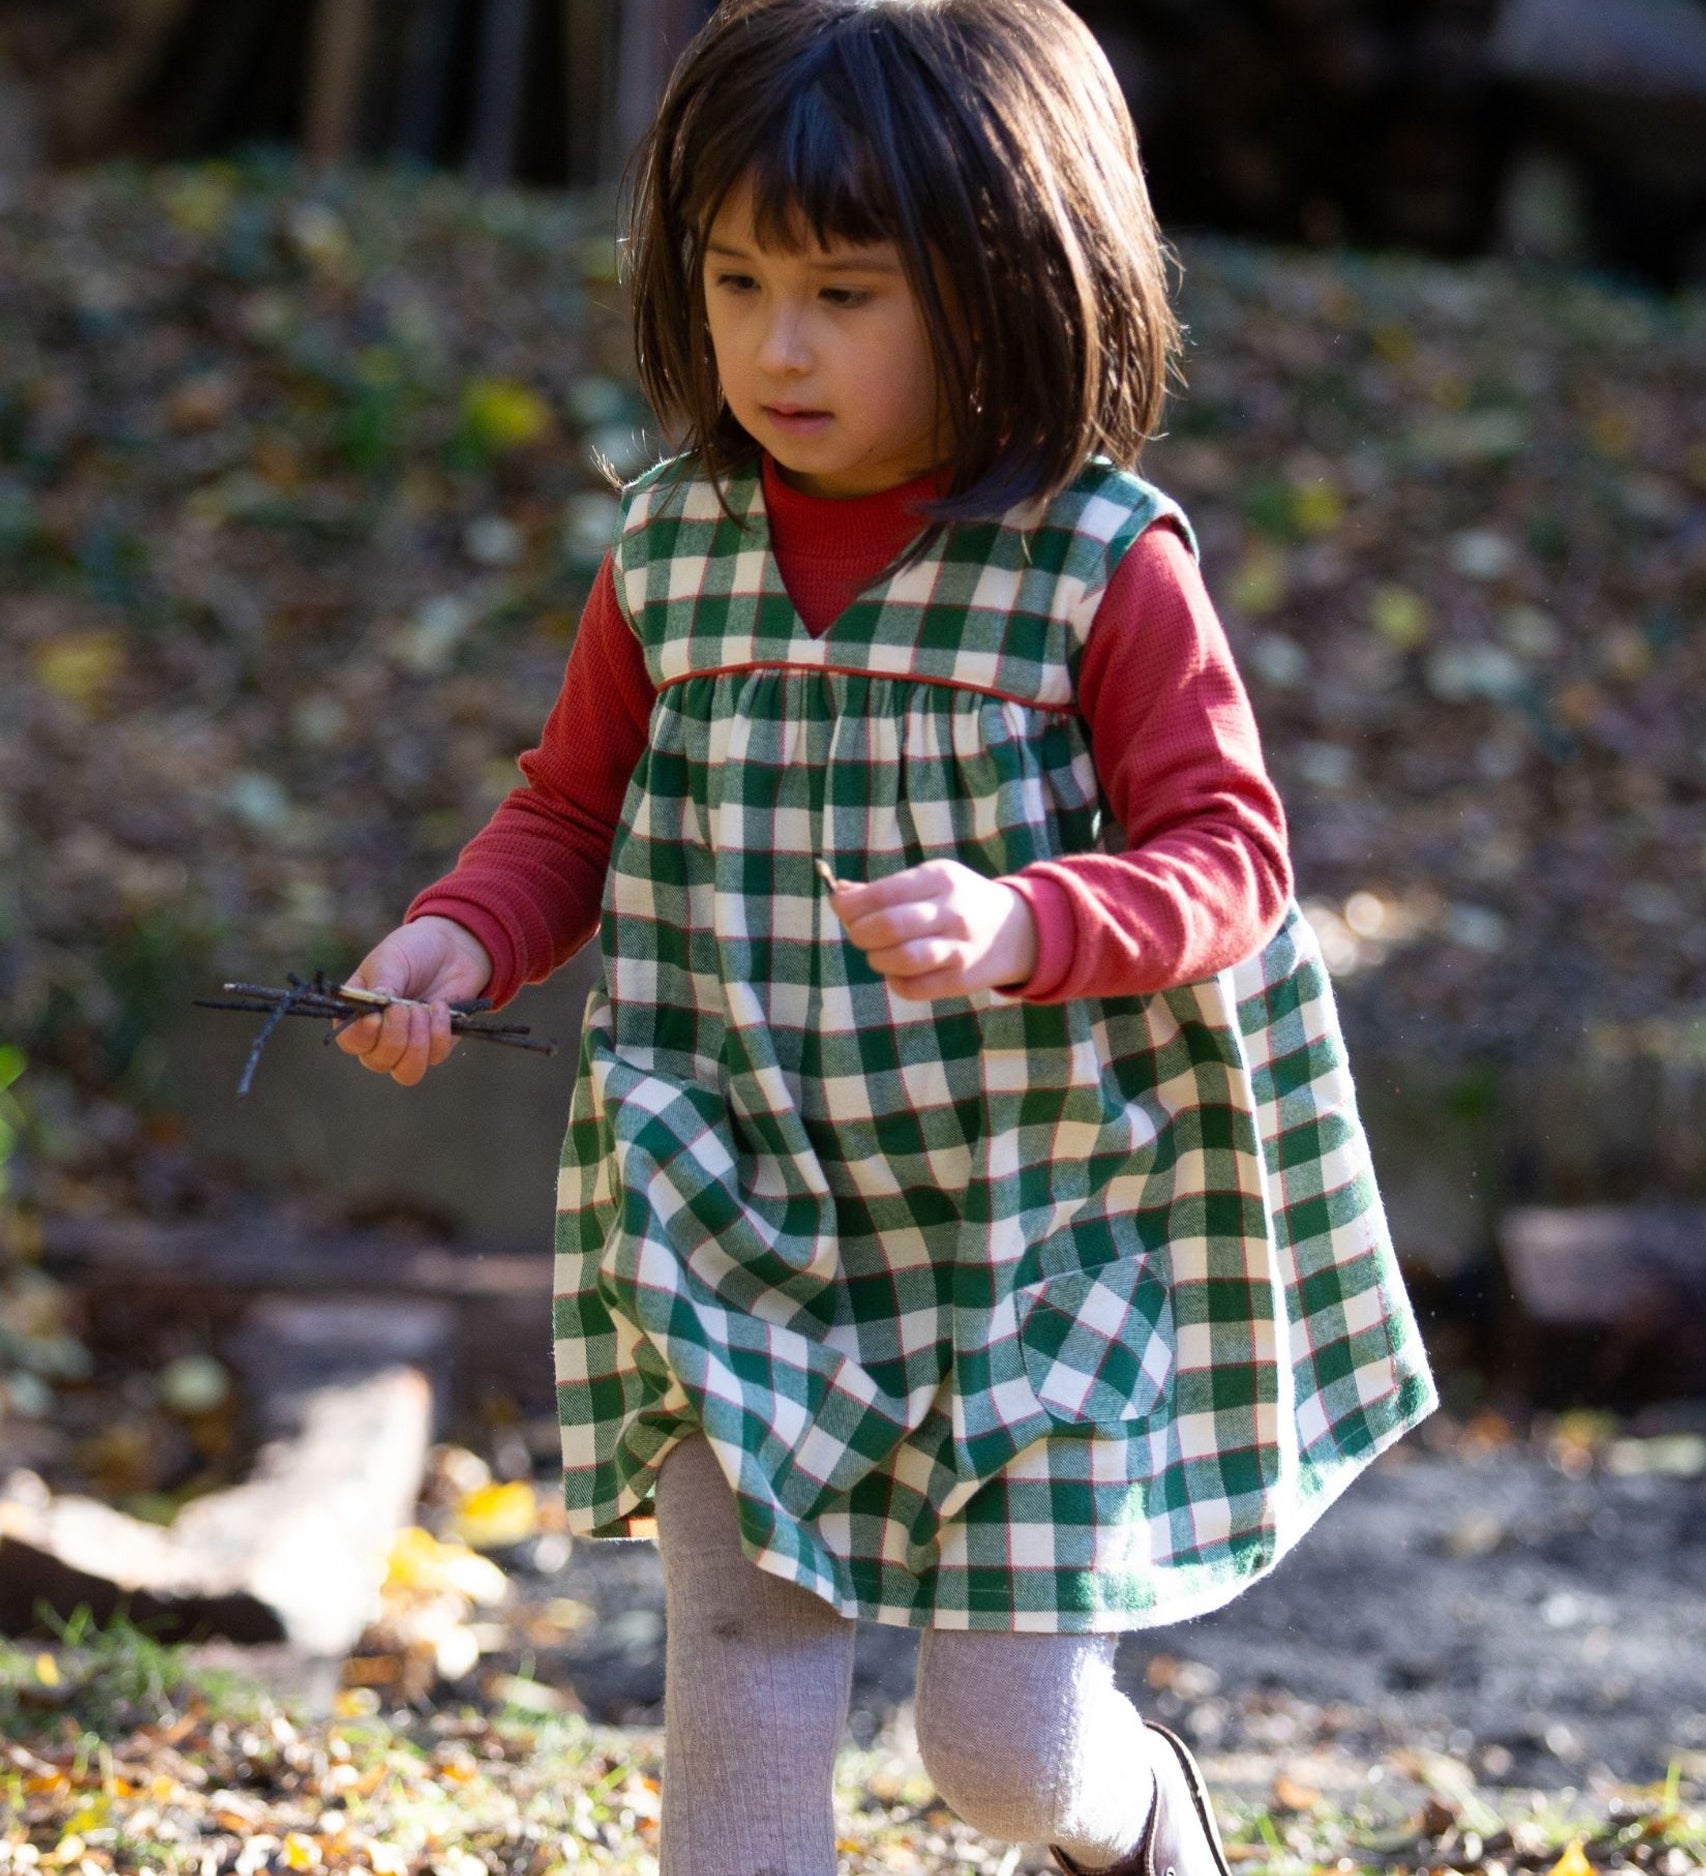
column 442, row 1040
column 392, row 1042
column 916, row 959
column 417, row 1058
column 929, row 985
column 360, row 1037
column 897, row 925
column 916, row 882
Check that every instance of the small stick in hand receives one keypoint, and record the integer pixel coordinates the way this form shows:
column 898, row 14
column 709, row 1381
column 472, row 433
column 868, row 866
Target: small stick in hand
column 826, row 873
column 343, row 1004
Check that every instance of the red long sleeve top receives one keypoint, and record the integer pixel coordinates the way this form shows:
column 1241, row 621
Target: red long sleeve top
column 1203, row 880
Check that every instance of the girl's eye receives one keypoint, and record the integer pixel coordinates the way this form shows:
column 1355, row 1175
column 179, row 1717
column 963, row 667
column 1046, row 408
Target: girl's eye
column 735, row 283
column 846, row 296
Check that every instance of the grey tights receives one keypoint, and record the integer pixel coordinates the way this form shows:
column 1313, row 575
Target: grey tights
column 1025, row 1736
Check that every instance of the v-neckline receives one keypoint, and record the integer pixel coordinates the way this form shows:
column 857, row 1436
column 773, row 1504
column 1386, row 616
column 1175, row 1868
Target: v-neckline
column 876, row 588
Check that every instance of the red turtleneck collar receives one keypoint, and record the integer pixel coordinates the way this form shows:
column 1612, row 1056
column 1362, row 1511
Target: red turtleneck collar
column 830, row 548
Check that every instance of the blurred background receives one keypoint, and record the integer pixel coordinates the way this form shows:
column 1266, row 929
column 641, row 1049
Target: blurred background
column 1559, row 129
column 312, row 361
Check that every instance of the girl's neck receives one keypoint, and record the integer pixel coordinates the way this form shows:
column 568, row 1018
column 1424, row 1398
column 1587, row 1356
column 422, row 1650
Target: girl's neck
column 852, row 516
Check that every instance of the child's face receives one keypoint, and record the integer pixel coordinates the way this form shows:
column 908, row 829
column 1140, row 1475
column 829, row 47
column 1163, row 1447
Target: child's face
column 823, row 355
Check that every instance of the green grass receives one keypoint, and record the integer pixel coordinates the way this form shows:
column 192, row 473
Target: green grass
column 104, row 1680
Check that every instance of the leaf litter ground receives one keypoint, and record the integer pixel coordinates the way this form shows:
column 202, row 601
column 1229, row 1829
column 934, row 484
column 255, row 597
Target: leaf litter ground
column 101, row 1774
column 1330, row 1741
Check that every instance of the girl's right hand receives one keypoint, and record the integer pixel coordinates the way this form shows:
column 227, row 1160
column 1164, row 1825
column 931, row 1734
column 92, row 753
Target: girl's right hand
column 433, row 961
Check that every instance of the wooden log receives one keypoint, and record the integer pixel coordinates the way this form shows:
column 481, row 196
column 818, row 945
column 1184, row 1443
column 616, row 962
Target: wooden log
column 336, row 72
column 295, row 1554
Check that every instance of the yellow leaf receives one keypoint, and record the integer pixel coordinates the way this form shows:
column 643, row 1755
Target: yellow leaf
column 1572, row 1862
column 200, row 202
column 1259, row 580
column 79, row 666
column 47, row 1670
column 1317, row 507
column 504, row 414
column 299, row 1852
column 415, row 1560
column 492, row 1517
column 420, row 1564
column 1399, row 616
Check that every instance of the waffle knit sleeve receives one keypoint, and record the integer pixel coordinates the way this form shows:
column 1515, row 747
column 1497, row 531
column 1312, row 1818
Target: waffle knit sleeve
column 1205, row 876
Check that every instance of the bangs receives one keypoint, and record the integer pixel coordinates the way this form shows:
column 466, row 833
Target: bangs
column 810, row 146
column 987, row 140
column 815, row 181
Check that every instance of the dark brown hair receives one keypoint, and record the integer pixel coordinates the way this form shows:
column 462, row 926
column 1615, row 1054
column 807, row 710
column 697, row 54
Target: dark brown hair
column 986, row 135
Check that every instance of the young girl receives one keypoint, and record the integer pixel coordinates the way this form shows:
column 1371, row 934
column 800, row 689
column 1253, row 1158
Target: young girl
column 965, row 1220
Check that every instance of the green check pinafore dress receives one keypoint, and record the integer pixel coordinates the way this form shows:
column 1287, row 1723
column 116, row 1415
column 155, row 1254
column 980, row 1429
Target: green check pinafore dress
column 997, row 1315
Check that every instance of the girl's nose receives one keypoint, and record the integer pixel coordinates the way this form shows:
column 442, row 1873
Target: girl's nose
column 782, row 346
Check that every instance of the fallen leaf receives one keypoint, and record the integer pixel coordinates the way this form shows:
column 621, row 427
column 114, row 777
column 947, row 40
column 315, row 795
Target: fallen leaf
column 504, row 415
column 1399, row 615
column 1573, row 1862
column 81, row 667
column 1291, row 1796
column 495, row 1516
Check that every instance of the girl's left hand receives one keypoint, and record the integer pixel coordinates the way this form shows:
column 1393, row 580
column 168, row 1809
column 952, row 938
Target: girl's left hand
column 941, row 930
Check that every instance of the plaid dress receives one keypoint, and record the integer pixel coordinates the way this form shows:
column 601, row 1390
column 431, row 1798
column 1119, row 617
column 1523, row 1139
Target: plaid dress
column 997, row 1315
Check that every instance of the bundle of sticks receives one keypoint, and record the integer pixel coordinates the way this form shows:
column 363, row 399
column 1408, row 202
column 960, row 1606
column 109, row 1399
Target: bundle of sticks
column 343, row 1004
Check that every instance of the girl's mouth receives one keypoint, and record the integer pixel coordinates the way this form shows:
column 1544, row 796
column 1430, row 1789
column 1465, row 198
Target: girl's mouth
column 797, row 420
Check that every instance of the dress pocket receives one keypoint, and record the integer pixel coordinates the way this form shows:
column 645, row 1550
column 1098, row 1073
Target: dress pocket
column 1098, row 1344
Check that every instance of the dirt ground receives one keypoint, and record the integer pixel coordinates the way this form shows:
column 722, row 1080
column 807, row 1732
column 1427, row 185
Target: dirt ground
column 1488, row 1605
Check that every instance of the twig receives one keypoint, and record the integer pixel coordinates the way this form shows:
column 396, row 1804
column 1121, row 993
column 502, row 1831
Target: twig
column 281, row 1010
column 826, row 873
column 343, row 1004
